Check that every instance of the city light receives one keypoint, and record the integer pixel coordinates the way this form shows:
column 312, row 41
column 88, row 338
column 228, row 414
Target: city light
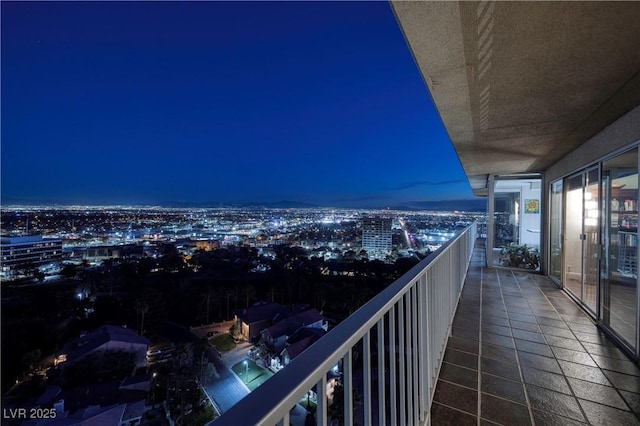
column 118, row 258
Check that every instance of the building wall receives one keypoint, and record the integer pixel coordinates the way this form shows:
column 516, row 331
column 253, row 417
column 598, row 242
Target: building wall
column 251, row 331
column 620, row 134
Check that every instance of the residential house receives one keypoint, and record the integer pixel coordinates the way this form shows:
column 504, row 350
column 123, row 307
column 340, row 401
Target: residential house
column 301, row 340
column 107, row 337
column 252, row 320
column 274, row 339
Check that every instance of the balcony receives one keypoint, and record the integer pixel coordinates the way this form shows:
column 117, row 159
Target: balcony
column 522, row 352
column 517, row 351
column 517, row 90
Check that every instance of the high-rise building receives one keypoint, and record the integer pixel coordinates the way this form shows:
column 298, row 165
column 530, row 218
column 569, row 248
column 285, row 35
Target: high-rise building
column 31, row 250
column 376, row 236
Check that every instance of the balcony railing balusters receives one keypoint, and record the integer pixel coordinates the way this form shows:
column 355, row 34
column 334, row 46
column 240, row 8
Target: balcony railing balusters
column 419, row 308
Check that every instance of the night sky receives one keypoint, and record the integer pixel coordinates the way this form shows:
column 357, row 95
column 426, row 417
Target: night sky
column 144, row 103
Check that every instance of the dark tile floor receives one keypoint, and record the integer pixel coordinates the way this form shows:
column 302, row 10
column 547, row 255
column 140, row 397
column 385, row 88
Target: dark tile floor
column 522, row 353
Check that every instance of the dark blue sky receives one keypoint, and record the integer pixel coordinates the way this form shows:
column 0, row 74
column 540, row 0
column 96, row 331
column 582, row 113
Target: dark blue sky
column 210, row 101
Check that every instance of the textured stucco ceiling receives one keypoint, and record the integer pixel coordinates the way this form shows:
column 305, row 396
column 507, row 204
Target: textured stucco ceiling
column 520, row 84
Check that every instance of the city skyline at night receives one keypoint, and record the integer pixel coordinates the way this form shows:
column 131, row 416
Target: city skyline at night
column 217, row 102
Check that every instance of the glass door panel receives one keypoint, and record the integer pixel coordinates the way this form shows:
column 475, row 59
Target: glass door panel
column 555, row 264
column 590, row 243
column 573, row 235
column 506, row 212
column 506, row 220
column 619, row 266
column 581, row 244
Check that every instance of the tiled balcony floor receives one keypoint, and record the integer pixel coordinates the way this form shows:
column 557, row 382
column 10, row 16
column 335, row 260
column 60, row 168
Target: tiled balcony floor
column 521, row 352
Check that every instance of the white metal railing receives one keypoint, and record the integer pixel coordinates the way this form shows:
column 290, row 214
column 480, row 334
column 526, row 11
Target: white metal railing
column 406, row 327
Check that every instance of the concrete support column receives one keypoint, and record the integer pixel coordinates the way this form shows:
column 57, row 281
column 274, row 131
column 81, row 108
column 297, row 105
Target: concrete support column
column 491, row 226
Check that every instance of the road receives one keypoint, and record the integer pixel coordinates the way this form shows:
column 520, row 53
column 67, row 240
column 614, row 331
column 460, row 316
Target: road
column 227, row 389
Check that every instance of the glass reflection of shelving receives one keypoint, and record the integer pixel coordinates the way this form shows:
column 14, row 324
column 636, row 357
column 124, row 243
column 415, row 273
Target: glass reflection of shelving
column 624, row 217
column 627, row 258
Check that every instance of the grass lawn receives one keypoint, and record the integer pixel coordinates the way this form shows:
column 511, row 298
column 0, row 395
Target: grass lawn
column 256, row 374
column 223, row 342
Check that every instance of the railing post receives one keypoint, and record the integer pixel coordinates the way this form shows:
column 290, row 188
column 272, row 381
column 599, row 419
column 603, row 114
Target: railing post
column 409, row 354
column 366, row 371
column 347, row 383
column 393, row 377
column 284, row 421
column 423, row 304
column 401, row 354
column 414, row 345
column 321, row 401
column 382, row 412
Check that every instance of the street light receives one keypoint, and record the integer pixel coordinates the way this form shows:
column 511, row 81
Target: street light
column 246, row 372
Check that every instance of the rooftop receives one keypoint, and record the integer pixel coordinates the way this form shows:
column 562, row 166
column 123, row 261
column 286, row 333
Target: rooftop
column 107, row 333
column 290, row 325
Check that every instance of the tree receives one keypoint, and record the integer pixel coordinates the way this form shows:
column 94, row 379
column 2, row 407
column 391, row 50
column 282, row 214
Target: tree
column 207, row 370
column 30, row 358
column 349, row 255
column 272, row 292
column 69, row 271
column 228, row 293
column 209, row 373
column 206, row 295
column 145, row 265
column 171, row 259
column 141, row 308
column 249, row 293
column 39, row 275
column 363, row 254
column 29, row 269
column 336, row 409
column 234, row 330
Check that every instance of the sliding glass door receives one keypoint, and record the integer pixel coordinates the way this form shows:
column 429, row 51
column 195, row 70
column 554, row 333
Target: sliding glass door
column 593, row 242
column 581, row 255
column 619, row 270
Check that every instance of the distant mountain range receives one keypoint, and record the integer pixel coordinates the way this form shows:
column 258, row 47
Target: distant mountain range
column 473, row 205
column 267, row 205
column 469, row 205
